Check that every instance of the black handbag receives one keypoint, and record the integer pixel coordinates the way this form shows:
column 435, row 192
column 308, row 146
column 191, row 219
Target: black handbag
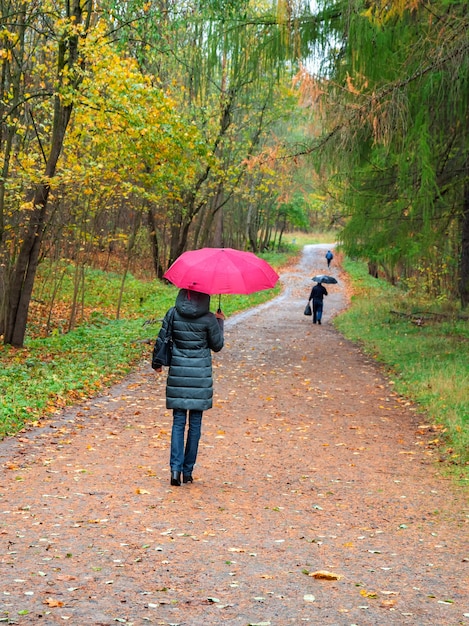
column 163, row 350
column 308, row 309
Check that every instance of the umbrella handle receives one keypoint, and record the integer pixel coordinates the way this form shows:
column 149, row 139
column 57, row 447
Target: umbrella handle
column 219, row 303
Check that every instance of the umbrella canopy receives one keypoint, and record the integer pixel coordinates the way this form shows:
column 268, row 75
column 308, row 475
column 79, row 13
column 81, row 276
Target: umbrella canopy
column 221, row 270
column 324, row 278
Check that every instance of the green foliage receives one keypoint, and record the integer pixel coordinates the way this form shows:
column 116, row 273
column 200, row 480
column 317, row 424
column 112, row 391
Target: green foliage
column 294, row 213
column 427, row 360
column 397, row 115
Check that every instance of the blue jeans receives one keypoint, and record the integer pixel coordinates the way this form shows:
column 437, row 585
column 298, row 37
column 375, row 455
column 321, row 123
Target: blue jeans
column 183, row 460
column 317, row 310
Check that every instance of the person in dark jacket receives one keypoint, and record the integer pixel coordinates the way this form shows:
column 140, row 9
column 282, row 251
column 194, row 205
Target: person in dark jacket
column 189, row 386
column 317, row 296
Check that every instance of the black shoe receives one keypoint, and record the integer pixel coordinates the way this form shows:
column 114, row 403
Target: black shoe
column 176, row 479
column 187, row 478
column 319, row 321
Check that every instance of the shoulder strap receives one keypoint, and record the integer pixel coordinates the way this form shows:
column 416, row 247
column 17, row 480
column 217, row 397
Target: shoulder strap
column 171, row 319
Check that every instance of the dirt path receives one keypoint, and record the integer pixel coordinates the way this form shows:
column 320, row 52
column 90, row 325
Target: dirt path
column 308, row 462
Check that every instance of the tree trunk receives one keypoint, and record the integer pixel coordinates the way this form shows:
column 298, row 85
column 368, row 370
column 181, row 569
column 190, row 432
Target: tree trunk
column 22, row 279
column 155, row 250
column 181, row 225
column 78, row 293
column 130, row 249
column 218, row 235
column 10, row 80
column 373, row 269
column 24, row 272
column 464, row 261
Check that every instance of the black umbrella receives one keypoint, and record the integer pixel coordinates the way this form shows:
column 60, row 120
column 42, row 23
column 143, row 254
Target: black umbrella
column 324, row 278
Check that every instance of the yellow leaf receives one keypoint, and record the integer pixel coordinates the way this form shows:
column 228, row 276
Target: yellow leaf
column 324, row 575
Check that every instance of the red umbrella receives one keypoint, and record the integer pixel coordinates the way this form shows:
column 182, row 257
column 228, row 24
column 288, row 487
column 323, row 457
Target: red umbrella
column 221, row 270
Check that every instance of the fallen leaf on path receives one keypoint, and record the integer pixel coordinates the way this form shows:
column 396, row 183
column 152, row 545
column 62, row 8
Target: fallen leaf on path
column 324, row 575
column 53, row 603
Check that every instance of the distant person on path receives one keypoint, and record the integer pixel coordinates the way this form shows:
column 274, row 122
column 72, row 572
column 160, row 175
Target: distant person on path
column 189, row 386
column 329, row 257
column 317, row 296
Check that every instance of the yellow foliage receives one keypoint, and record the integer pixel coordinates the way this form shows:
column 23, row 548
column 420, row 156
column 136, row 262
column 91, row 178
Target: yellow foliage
column 380, row 11
column 127, row 129
column 27, row 206
column 6, row 54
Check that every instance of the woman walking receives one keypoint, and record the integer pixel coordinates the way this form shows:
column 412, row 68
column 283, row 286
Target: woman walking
column 189, row 386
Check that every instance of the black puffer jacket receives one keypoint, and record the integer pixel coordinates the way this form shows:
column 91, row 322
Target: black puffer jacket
column 196, row 332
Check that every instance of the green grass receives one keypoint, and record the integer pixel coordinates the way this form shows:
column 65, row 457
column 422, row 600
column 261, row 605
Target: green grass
column 53, row 372
column 428, row 363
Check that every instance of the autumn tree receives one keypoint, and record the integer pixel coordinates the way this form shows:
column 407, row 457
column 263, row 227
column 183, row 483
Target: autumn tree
column 41, row 72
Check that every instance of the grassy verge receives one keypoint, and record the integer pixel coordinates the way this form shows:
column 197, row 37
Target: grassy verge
column 425, row 345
